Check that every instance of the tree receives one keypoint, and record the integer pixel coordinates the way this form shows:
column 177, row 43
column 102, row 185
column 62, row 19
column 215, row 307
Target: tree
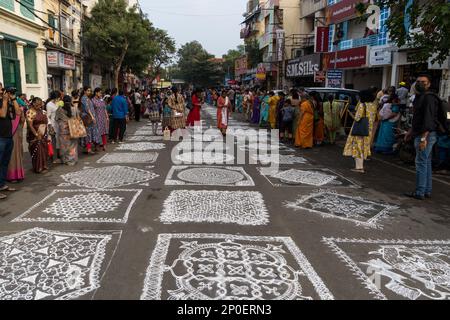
column 120, row 37
column 196, row 66
column 230, row 58
column 164, row 53
column 254, row 54
column 432, row 17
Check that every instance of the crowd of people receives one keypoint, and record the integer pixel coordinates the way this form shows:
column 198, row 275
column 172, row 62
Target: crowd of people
column 304, row 119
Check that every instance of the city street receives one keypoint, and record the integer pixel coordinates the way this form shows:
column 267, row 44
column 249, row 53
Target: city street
column 130, row 224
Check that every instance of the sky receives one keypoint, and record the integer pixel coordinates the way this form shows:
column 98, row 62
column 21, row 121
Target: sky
column 214, row 23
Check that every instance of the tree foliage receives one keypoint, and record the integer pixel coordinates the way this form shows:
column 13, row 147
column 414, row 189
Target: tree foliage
column 429, row 32
column 196, row 66
column 230, row 58
column 254, row 54
column 121, row 38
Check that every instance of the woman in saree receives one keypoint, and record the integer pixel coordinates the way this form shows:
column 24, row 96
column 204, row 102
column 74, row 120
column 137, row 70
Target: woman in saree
column 16, row 171
column 239, row 102
column 37, row 136
column 88, row 112
column 194, row 115
column 295, row 101
column 273, row 104
column 304, row 136
column 319, row 125
column 101, row 116
column 177, row 105
column 223, row 112
column 69, row 146
column 389, row 115
column 264, row 117
column 255, row 105
column 332, row 119
column 360, row 147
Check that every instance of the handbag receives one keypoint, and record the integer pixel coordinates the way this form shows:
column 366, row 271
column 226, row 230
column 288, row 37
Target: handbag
column 76, row 128
column 361, row 127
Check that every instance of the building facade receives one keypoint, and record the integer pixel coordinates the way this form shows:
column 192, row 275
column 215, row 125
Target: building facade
column 23, row 62
column 63, row 43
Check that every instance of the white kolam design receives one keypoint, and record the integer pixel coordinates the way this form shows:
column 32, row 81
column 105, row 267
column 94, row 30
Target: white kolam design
column 198, row 157
column 398, row 269
column 39, row 264
column 100, row 206
column 141, row 146
column 109, row 177
column 239, row 207
column 230, row 267
column 279, row 159
column 132, row 157
column 312, row 178
column 209, row 175
column 330, row 204
column 144, row 138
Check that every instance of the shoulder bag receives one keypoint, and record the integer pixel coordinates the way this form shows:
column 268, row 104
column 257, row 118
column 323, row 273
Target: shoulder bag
column 361, row 127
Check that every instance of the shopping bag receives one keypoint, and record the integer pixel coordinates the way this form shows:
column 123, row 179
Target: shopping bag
column 77, row 128
column 166, row 134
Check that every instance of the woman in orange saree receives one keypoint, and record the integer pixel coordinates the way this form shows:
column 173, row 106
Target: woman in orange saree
column 304, row 136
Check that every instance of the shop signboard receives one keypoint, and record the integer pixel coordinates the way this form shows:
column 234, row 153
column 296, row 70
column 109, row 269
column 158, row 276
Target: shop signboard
column 380, row 56
column 52, row 59
column 66, row 61
column 320, row 77
column 351, row 58
column 261, row 72
column 343, row 11
column 334, row 78
column 305, row 66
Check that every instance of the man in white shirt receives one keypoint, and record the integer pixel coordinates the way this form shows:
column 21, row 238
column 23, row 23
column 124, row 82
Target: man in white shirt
column 137, row 105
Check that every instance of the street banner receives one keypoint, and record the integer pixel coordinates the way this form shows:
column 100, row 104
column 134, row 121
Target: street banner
column 320, row 77
column 322, row 42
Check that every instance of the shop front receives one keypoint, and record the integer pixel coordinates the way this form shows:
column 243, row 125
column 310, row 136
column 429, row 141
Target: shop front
column 356, row 71
column 61, row 71
column 304, row 71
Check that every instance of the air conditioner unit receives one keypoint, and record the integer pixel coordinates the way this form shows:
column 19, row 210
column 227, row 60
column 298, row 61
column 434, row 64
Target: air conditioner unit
column 298, row 53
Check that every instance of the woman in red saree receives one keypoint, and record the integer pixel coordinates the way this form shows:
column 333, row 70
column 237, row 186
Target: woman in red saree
column 37, row 136
column 194, row 114
column 223, row 112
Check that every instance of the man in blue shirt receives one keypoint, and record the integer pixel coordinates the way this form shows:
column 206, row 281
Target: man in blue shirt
column 119, row 116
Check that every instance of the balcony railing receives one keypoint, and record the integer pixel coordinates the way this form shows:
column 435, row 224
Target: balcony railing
column 370, row 41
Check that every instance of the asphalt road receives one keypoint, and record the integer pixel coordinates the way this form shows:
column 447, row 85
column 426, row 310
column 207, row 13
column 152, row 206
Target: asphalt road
column 110, row 229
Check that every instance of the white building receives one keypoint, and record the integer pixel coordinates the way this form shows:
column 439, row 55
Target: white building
column 23, row 61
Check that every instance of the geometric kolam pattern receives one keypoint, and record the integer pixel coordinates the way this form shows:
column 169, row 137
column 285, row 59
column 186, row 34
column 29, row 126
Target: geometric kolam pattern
column 141, row 146
column 199, row 157
column 317, row 177
column 109, row 177
column 42, row 264
column 147, row 157
column 238, row 207
column 112, row 206
column 229, row 267
column 398, row 269
column 208, row 175
column 279, row 159
column 330, row 204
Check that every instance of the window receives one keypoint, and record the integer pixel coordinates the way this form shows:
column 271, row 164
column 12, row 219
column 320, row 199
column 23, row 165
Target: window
column 27, row 8
column 383, row 35
column 7, row 4
column 30, row 64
